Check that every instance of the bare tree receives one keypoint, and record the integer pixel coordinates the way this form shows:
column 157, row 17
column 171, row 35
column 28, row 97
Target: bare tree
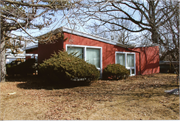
column 22, row 15
column 122, row 36
column 156, row 20
column 146, row 15
column 169, row 36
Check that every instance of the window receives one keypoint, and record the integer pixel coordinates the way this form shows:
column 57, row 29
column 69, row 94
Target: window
column 120, row 59
column 130, row 60
column 127, row 59
column 93, row 56
column 77, row 50
column 90, row 54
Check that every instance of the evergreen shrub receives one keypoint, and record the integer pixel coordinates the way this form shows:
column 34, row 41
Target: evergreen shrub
column 115, row 72
column 66, row 67
column 22, row 68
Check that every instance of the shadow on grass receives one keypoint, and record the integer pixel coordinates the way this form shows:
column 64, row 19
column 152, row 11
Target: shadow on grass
column 19, row 78
column 36, row 82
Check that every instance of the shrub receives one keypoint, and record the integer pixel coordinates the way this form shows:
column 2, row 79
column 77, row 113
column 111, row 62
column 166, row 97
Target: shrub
column 65, row 67
column 115, row 72
column 23, row 68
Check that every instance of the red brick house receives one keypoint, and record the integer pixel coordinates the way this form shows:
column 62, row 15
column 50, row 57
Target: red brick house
column 101, row 52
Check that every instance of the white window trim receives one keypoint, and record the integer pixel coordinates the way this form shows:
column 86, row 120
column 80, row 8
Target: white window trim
column 129, row 68
column 84, row 54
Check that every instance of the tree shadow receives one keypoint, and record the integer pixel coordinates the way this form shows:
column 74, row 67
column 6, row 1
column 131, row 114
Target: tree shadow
column 39, row 83
column 20, row 78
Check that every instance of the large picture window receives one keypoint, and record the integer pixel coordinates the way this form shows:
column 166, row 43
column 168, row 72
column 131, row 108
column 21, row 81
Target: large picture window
column 127, row 59
column 93, row 56
column 90, row 54
column 77, row 50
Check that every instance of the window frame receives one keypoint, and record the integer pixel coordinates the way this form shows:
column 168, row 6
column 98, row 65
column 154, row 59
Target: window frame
column 84, row 53
column 129, row 68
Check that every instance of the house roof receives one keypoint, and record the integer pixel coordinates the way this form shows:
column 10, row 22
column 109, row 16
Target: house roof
column 154, row 44
column 83, row 34
column 31, row 47
column 95, row 37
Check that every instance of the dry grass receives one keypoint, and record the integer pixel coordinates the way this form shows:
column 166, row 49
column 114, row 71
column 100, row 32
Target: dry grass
column 140, row 97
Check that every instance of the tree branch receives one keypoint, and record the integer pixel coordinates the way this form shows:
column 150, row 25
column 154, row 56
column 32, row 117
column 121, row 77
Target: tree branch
column 27, row 4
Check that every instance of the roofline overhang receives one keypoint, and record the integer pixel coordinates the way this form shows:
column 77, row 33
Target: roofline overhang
column 83, row 34
column 30, row 47
column 95, row 37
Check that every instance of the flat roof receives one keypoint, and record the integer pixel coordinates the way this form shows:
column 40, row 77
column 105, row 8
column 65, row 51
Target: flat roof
column 95, row 37
column 31, row 47
column 83, row 34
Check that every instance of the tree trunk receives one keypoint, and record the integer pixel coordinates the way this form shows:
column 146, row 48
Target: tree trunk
column 155, row 36
column 152, row 16
column 2, row 60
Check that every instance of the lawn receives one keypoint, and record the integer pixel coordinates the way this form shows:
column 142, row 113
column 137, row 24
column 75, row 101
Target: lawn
column 135, row 98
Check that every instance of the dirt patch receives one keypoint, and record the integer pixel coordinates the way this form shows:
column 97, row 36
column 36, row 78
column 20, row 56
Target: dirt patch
column 136, row 98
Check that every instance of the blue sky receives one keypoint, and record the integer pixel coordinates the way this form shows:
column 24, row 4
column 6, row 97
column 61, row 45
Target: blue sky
column 60, row 21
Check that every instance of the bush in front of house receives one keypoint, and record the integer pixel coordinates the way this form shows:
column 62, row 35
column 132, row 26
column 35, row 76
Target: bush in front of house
column 115, row 72
column 23, row 68
column 65, row 67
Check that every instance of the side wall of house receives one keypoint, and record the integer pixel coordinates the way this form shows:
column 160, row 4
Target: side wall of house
column 108, row 50
column 46, row 50
column 149, row 60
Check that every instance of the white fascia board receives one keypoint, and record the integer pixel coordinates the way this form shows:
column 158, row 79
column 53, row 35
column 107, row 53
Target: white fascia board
column 139, row 46
column 83, row 34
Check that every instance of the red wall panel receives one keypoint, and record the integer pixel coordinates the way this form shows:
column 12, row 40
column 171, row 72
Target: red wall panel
column 46, row 50
column 32, row 51
column 149, row 61
column 108, row 50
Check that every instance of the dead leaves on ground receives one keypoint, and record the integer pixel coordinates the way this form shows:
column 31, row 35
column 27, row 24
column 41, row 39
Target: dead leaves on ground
column 82, row 102
column 103, row 91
